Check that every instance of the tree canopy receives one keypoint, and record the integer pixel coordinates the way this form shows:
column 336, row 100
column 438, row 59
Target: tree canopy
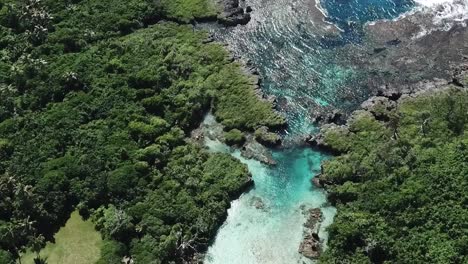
column 97, row 100
column 400, row 186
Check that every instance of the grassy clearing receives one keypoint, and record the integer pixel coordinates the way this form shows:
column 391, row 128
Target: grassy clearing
column 75, row 243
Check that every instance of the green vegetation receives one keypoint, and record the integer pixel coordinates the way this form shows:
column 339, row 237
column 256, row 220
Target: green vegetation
column 263, row 136
column 400, row 186
column 234, row 137
column 189, row 10
column 97, row 102
column 6, row 257
column 75, row 243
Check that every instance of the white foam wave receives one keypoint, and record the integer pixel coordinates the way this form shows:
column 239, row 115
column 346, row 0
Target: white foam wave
column 446, row 12
column 431, row 2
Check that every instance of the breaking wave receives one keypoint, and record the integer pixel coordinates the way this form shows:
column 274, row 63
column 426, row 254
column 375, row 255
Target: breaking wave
column 441, row 15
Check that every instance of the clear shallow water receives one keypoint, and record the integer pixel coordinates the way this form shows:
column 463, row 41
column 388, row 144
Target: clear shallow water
column 296, row 45
column 265, row 224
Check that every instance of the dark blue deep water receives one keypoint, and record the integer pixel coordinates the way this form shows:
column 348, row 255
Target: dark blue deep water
column 351, row 15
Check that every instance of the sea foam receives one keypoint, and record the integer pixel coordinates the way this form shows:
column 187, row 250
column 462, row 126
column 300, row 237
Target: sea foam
column 446, row 13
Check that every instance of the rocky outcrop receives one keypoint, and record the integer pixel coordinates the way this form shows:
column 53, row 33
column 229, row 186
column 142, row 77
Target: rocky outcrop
column 254, row 150
column 327, row 115
column 381, row 107
column 318, row 140
column 263, row 136
column 246, row 185
column 234, row 12
column 314, row 218
column 310, row 246
column 317, row 181
column 412, row 49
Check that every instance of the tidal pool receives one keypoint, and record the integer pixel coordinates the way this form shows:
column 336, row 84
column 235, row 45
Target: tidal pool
column 265, row 224
column 297, row 46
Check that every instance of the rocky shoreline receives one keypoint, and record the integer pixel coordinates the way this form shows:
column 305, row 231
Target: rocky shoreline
column 256, row 145
column 234, row 12
column 311, row 246
column 381, row 106
column 390, row 53
column 400, row 56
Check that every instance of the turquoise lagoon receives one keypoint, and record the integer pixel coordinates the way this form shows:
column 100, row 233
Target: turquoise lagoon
column 297, row 46
column 265, row 224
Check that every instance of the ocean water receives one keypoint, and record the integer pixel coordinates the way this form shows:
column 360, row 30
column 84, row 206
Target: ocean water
column 295, row 44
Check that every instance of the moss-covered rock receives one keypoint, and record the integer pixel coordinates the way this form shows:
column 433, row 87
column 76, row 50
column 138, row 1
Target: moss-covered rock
column 265, row 137
column 234, row 137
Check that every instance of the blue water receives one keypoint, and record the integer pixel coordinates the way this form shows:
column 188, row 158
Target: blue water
column 271, row 232
column 300, row 53
column 351, row 15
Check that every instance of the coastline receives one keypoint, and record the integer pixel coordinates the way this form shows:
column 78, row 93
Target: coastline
column 381, row 108
column 381, row 94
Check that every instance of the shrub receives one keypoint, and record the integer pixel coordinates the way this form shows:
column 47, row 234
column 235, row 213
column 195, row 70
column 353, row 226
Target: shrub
column 234, row 137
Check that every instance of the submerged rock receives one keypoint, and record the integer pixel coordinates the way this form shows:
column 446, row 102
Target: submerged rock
column 258, row 203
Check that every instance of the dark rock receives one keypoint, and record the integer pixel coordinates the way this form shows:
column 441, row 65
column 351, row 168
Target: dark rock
column 209, row 39
column 318, row 141
column 325, row 115
column 233, row 14
column 248, row 9
column 263, row 136
column 393, row 42
column 317, row 182
column 310, row 247
column 315, row 236
column 392, row 94
column 378, row 50
column 379, row 106
column 315, row 216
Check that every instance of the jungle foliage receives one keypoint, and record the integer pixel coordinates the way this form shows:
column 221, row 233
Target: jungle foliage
column 401, row 186
column 97, row 99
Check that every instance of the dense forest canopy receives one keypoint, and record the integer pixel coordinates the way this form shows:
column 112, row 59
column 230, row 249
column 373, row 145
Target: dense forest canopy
column 96, row 101
column 401, row 186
